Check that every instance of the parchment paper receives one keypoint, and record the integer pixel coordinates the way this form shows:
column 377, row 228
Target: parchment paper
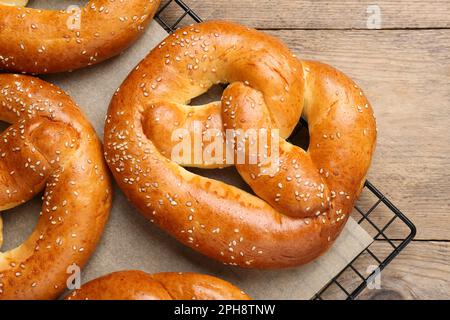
column 131, row 242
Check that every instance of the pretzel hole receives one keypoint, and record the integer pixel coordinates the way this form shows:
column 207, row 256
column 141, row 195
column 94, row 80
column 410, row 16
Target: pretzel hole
column 3, row 126
column 19, row 223
column 227, row 175
column 300, row 135
column 213, row 94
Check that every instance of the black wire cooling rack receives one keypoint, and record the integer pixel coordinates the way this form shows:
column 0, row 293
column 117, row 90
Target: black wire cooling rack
column 389, row 227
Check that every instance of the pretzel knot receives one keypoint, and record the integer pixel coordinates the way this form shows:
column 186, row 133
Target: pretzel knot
column 301, row 206
column 49, row 146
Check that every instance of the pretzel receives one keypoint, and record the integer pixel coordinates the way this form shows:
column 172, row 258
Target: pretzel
column 138, row 285
column 49, row 146
column 48, row 41
column 302, row 206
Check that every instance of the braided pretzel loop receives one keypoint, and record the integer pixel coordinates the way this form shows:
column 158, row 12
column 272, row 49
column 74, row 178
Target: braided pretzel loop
column 137, row 285
column 47, row 41
column 301, row 207
column 49, row 146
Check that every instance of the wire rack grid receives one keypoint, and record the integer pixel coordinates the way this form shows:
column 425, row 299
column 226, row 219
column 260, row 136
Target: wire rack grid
column 391, row 230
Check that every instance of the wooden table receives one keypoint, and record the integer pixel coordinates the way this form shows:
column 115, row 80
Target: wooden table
column 404, row 68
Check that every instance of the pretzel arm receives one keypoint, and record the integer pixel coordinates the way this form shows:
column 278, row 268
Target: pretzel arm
column 47, row 41
column 137, row 285
column 50, row 143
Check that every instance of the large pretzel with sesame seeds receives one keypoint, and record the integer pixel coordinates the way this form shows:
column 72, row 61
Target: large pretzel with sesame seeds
column 48, row 41
column 50, row 146
column 138, row 285
column 302, row 206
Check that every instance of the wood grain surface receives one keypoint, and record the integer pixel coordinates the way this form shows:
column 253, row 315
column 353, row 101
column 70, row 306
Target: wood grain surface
column 324, row 14
column 419, row 272
column 404, row 68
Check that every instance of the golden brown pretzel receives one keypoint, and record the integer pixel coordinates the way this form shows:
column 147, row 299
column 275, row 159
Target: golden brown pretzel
column 304, row 206
column 138, row 285
column 47, row 41
column 50, row 146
